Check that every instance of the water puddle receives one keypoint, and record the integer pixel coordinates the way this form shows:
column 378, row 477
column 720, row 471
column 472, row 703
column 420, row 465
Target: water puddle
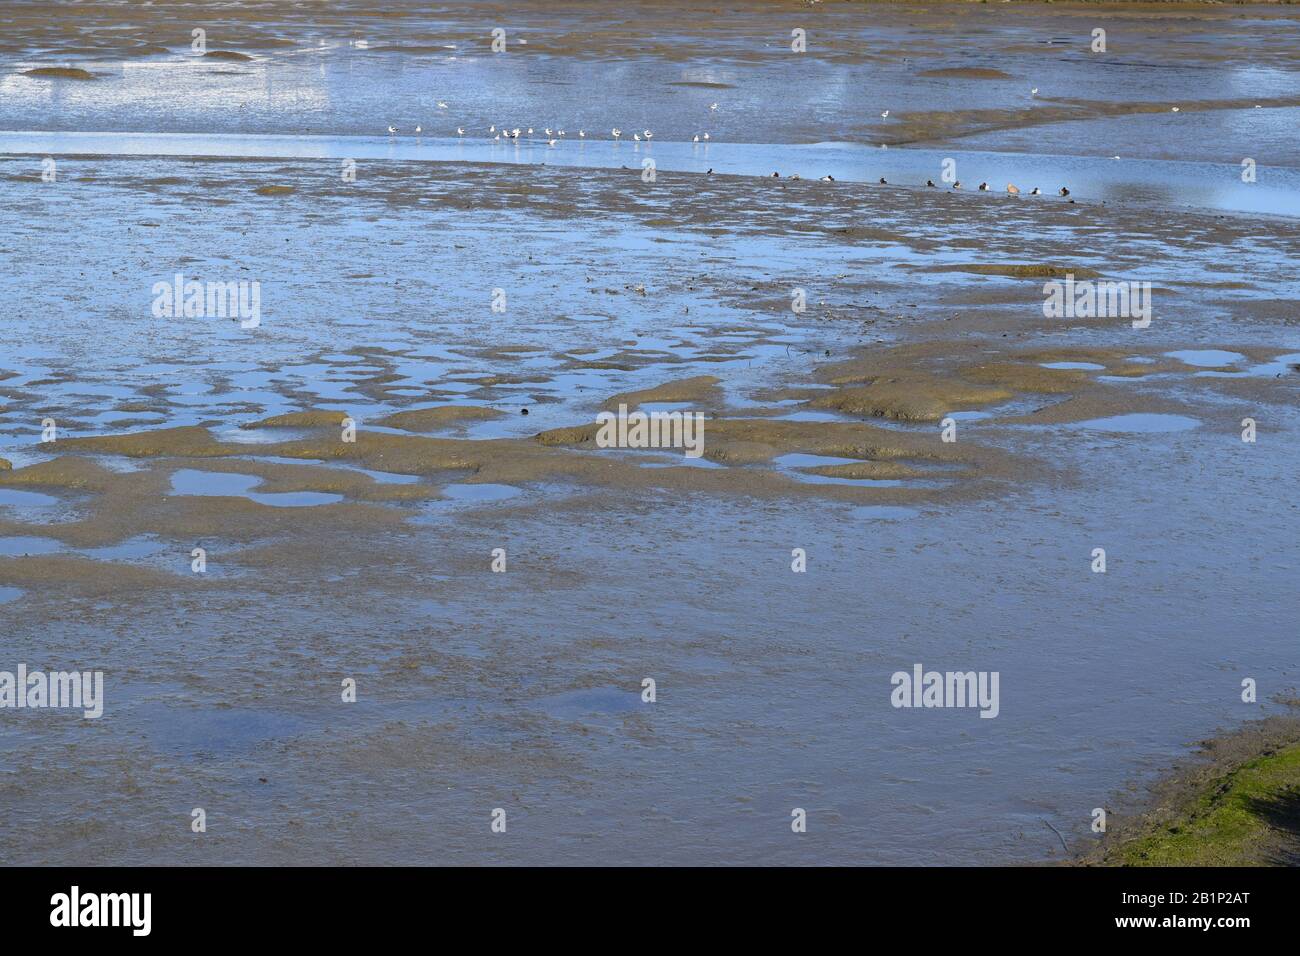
column 17, row 546
column 1140, row 423
column 12, row 498
column 1082, row 366
column 793, row 465
column 479, row 493
column 132, row 549
column 189, row 481
column 596, row 701
column 800, row 460
column 1206, row 358
column 884, row 512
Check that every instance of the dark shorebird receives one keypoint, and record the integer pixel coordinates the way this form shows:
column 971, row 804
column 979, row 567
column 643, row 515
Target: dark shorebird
column 1064, row 191
column 929, row 182
column 882, row 181
column 984, row 187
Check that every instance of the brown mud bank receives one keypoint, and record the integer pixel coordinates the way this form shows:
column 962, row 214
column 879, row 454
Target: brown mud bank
column 890, row 439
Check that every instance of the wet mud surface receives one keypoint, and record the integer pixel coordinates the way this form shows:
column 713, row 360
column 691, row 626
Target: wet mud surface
column 435, row 345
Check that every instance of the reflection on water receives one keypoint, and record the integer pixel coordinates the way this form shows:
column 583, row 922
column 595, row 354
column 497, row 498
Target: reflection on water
column 1166, row 183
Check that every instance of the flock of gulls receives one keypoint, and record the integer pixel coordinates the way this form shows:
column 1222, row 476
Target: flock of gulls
column 552, row 138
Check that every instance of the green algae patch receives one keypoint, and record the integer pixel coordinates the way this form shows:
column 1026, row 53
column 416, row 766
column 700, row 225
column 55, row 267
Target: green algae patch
column 59, row 73
column 275, row 190
column 443, row 416
column 5, row 464
column 226, row 55
column 1241, row 808
column 1233, row 823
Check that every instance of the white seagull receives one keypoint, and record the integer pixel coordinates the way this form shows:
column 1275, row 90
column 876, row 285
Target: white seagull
column 885, row 115
column 392, row 130
column 460, row 131
column 441, row 105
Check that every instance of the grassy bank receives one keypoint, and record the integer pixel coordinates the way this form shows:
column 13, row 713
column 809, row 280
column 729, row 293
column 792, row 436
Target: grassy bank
column 1241, row 808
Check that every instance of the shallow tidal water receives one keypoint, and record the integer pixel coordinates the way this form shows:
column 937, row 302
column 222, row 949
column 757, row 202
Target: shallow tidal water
column 522, row 689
